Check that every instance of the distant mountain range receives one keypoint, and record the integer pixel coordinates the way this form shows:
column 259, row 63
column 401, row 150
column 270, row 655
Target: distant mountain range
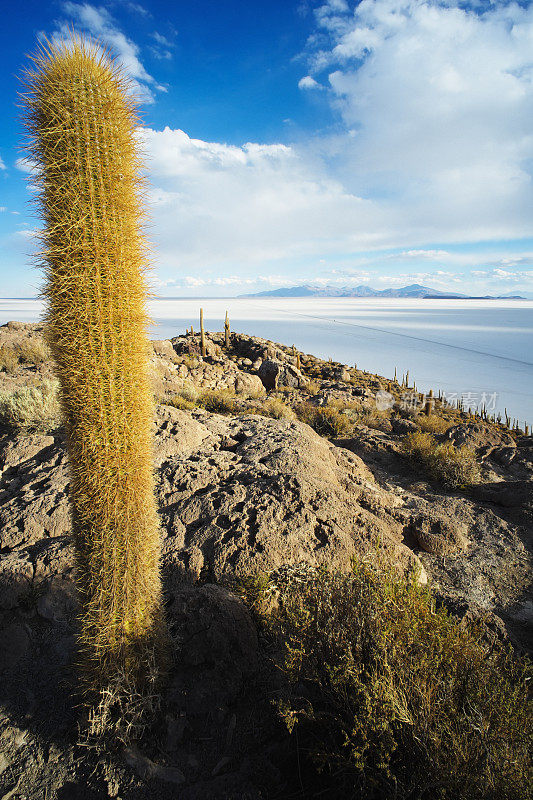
column 414, row 290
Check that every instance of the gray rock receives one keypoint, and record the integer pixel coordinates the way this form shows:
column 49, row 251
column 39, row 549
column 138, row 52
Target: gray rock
column 274, row 373
column 438, row 534
column 478, row 435
column 59, row 603
column 403, row 426
column 263, row 492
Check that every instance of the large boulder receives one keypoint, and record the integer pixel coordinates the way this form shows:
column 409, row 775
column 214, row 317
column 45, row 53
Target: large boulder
column 274, row 373
column 259, row 493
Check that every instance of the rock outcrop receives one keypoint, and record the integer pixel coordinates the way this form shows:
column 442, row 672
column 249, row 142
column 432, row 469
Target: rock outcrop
column 237, row 495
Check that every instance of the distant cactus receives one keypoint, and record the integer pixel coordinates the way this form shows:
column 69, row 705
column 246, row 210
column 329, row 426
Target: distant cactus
column 81, row 122
column 226, row 332
column 202, row 334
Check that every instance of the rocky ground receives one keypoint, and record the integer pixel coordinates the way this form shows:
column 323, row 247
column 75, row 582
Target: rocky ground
column 238, row 493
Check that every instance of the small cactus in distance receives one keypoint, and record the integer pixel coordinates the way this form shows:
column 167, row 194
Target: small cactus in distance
column 81, row 122
column 226, row 332
column 202, row 334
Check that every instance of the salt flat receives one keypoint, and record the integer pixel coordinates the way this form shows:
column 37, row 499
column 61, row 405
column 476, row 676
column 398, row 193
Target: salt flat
column 480, row 349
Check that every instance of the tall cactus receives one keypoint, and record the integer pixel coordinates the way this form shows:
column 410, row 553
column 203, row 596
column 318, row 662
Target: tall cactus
column 81, row 122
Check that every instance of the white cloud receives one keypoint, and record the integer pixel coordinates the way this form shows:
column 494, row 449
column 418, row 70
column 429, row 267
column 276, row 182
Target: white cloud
column 2, row 165
column 213, row 203
column 2, row 209
column 97, row 21
column 138, row 9
column 160, row 39
column 308, row 83
column 430, row 254
column 163, row 46
column 223, row 209
column 437, row 104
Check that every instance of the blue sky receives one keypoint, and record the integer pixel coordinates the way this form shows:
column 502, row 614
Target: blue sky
column 385, row 142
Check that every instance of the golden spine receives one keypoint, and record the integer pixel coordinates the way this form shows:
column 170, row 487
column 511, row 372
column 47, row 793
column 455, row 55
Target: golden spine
column 81, row 122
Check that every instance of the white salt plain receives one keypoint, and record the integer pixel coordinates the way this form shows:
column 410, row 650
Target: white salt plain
column 481, row 350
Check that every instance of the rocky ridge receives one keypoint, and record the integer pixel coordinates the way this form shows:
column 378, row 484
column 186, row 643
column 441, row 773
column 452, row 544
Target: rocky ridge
column 237, row 494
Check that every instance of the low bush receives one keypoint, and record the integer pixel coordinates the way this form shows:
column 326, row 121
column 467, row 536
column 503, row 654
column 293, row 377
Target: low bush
column 221, row 401
column 33, row 351
column 375, row 418
column 189, row 392
column 8, row 359
column 31, row 407
column 275, row 407
column 326, row 420
column 389, row 697
column 177, row 401
column 433, row 423
column 311, row 387
column 453, row 467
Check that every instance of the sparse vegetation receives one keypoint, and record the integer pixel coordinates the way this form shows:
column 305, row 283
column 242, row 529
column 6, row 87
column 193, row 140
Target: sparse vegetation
column 326, row 420
column 218, row 401
column 33, row 351
column 189, row 392
column 177, row 401
column 374, row 417
column 453, row 467
column 312, row 388
column 433, row 423
column 31, row 407
column 388, row 696
column 275, row 407
column 8, row 359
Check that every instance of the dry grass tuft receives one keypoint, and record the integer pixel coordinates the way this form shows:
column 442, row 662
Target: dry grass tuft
column 275, row 407
column 453, row 467
column 218, row 401
column 8, row 359
column 433, row 423
column 31, row 407
column 33, row 351
column 326, row 420
column 177, row 401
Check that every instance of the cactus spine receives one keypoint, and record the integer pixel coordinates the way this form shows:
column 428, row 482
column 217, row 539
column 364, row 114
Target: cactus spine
column 81, row 124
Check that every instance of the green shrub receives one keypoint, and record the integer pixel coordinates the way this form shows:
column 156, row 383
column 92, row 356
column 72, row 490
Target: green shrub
column 453, row 467
column 8, row 359
column 218, row 401
column 31, row 407
column 374, row 417
column 433, row 423
column 326, row 420
column 177, row 401
column 389, row 696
